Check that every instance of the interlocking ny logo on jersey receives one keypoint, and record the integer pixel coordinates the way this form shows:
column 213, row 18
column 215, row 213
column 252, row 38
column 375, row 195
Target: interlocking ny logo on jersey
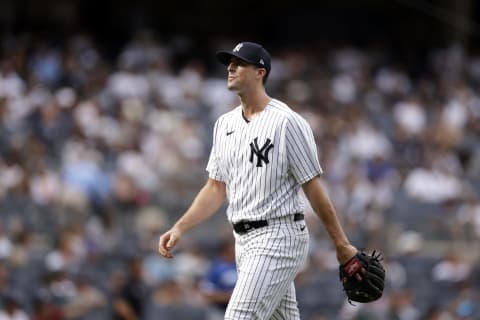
column 261, row 153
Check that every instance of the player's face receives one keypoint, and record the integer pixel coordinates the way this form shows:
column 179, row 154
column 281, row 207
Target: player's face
column 240, row 74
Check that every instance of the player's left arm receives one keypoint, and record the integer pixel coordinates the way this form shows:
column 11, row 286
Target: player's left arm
column 304, row 166
column 323, row 207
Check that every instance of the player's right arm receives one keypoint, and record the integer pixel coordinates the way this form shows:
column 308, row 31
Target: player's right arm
column 206, row 203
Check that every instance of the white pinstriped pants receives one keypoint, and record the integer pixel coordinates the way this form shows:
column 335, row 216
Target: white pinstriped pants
column 268, row 259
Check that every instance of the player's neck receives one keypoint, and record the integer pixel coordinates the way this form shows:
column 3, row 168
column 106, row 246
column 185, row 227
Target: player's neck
column 254, row 103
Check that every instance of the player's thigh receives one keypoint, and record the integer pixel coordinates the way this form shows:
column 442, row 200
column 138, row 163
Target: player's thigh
column 258, row 290
column 264, row 280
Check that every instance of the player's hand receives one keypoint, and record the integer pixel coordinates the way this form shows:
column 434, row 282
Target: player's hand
column 345, row 253
column 167, row 241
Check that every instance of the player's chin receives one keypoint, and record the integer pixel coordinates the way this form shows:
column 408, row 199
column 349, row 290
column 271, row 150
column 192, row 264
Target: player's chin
column 231, row 86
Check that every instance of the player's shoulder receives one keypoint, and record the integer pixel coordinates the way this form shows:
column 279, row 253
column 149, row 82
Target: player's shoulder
column 228, row 116
column 287, row 113
column 231, row 113
column 281, row 108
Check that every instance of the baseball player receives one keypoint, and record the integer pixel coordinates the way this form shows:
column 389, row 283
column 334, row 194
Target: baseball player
column 262, row 154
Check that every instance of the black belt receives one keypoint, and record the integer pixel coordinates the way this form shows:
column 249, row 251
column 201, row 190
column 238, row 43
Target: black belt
column 244, row 226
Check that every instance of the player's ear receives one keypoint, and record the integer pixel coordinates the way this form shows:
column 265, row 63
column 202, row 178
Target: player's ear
column 261, row 72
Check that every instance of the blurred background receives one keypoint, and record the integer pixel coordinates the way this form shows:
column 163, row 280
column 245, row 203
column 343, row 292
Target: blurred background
column 106, row 115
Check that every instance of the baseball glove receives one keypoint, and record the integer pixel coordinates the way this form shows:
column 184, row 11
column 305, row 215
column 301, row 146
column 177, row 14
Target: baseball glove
column 370, row 287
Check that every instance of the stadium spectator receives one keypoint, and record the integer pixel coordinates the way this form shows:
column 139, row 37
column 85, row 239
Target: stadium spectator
column 93, row 151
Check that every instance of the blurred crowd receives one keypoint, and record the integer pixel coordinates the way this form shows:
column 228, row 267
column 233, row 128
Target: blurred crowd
column 100, row 154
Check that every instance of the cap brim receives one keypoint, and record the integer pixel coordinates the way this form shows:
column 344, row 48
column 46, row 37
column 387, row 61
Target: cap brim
column 225, row 56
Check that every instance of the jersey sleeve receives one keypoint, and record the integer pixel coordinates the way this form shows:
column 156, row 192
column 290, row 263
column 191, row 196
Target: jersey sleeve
column 213, row 166
column 301, row 150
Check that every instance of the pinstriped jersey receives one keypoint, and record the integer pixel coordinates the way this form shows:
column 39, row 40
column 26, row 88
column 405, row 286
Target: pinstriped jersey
column 263, row 162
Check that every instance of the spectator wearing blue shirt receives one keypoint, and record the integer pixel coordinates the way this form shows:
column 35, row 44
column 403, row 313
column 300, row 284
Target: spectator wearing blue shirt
column 218, row 284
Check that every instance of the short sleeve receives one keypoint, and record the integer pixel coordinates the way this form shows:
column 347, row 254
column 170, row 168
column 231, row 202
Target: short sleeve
column 301, row 150
column 213, row 166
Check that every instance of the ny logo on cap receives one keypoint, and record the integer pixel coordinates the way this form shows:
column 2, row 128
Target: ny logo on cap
column 238, row 47
column 261, row 61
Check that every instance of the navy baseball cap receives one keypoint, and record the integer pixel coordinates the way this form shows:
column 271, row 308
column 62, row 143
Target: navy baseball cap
column 250, row 52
